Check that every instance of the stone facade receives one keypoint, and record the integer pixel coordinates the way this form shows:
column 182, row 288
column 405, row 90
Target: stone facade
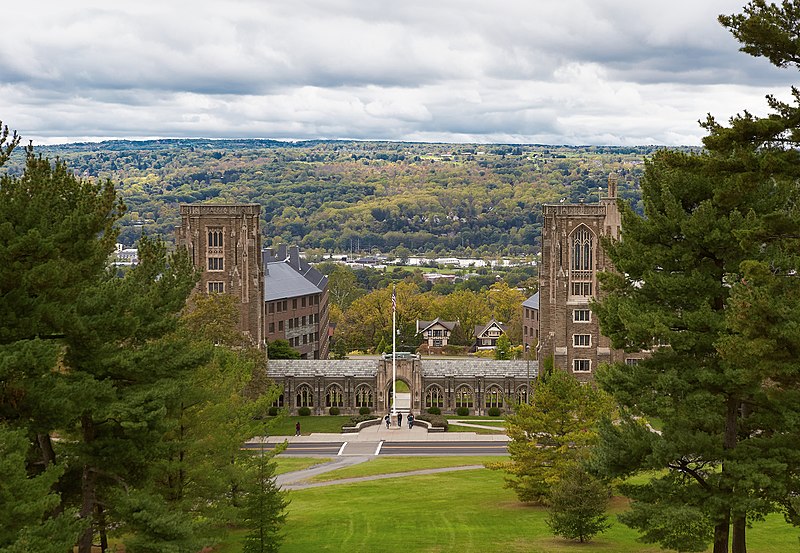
column 224, row 242
column 477, row 384
column 571, row 259
column 530, row 326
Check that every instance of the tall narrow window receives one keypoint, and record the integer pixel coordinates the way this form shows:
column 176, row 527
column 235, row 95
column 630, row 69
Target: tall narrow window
column 581, row 262
column 215, row 237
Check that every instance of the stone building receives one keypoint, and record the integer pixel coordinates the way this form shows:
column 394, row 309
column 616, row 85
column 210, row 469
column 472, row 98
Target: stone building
column 472, row 383
column 296, row 298
column 224, row 242
column 530, row 325
column 571, row 259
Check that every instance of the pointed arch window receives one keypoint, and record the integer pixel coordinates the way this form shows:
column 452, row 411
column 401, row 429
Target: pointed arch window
column 434, row 397
column 305, row 396
column 581, row 262
column 363, row 396
column 334, row 397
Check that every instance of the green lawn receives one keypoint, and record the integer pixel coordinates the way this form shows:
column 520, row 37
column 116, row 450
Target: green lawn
column 452, row 427
column 388, row 465
column 464, row 512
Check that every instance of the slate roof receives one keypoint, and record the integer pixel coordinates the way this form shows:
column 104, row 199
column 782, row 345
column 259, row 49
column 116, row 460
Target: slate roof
column 281, row 280
column 306, row 368
column 532, row 302
column 288, row 276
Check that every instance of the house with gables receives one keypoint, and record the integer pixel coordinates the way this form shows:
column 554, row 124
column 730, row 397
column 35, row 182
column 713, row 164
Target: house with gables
column 436, row 333
column 486, row 335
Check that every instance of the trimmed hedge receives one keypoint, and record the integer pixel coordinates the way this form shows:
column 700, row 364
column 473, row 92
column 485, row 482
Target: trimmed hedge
column 495, row 411
column 462, row 411
column 434, row 411
column 333, row 411
column 364, row 411
column 435, row 420
column 273, row 411
column 355, row 419
column 304, row 411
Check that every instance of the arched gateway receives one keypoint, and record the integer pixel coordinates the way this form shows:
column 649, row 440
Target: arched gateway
column 350, row 384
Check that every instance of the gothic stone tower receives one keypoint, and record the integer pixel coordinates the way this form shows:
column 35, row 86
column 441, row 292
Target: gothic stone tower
column 224, row 241
column 571, row 258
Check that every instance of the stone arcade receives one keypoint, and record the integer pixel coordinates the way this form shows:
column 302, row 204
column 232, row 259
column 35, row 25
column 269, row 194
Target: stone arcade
column 474, row 383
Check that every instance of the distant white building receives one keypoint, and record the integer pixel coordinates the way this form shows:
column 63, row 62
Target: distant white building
column 125, row 256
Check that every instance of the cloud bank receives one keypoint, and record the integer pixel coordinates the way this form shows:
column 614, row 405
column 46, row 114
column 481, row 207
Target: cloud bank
column 618, row 72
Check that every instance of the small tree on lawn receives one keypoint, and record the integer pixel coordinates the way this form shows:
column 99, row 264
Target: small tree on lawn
column 578, row 505
column 265, row 507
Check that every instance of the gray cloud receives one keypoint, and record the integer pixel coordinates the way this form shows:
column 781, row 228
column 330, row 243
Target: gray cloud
column 563, row 71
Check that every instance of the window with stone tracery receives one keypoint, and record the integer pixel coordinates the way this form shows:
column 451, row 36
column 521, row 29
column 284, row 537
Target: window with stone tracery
column 434, row 397
column 363, row 396
column 581, row 262
column 305, row 396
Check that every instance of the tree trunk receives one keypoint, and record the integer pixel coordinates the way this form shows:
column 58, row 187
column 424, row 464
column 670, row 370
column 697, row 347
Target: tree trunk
column 46, row 447
column 721, row 537
column 739, row 544
column 101, row 524
column 88, row 485
column 88, row 490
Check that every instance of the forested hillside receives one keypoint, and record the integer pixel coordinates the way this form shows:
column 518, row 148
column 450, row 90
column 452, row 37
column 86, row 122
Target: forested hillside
column 341, row 195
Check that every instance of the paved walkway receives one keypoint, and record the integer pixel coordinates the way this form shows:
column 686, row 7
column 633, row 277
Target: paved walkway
column 378, row 433
column 362, row 447
column 295, row 480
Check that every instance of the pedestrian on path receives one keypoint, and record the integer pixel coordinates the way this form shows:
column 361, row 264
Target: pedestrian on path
column 297, row 428
column 399, row 420
column 410, row 419
column 386, row 420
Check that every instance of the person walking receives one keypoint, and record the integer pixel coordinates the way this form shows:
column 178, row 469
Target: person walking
column 297, row 428
column 410, row 419
column 399, row 420
column 386, row 420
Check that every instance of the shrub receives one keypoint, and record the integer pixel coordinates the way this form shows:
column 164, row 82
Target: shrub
column 355, row 419
column 304, row 411
column 435, row 420
column 364, row 411
column 578, row 506
column 494, row 411
column 434, row 411
column 462, row 411
column 273, row 411
column 333, row 411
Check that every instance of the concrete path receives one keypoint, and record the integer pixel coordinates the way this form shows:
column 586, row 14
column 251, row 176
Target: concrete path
column 365, row 445
column 378, row 433
column 294, row 480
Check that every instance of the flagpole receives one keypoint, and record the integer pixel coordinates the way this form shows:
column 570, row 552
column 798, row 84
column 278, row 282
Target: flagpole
column 394, row 353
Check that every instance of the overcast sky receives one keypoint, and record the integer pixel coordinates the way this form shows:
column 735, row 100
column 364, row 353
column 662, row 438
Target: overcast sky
column 616, row 72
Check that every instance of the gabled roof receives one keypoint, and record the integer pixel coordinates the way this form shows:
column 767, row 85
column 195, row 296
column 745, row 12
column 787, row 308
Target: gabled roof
column 286, row 275
column 281, row 281
column 480, row 330
column 532, row 302
column 422, row 326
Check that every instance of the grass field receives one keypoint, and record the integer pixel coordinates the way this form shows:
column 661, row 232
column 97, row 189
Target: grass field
column 291, row 464
column 388, row 465
column 463, row 512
